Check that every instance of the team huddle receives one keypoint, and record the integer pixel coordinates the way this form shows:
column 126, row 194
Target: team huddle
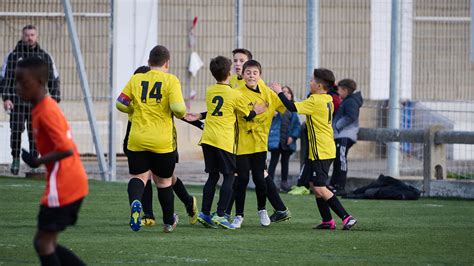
column 240, row 109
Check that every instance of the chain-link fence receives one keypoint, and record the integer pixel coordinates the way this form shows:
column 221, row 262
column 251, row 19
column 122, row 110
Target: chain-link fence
column 92, row 21
column 437, row 78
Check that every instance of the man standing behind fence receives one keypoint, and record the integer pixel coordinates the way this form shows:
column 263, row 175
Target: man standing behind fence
column 20, row 111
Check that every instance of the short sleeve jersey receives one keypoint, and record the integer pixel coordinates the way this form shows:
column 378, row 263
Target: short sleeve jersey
column 318, row 109
column 151, row 94
column 253, row 135
column 66, row 180
column 224, row 105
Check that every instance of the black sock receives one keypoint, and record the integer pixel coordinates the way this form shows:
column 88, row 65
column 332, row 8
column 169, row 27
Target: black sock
column 260, row 188
column 135, row 189
column 147, row 199
column 225, row 194
column 182, row 193
column 273, row 195
column 324, row 210
column 166, row 197
column 49, row 260
column 336, row 207
column 67, row 257
column 240, row 192
column 208, row 192
column 232, row 198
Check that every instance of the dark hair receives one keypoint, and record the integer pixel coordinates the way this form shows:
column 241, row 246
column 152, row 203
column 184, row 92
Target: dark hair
column 243, row 51
column 325, row 77
column 252, row 63
column 220, row 67
column 37, row 66
column 349, row 84
column 159, row 55
column 29, row 27
column 290, row 91
column 141, row 69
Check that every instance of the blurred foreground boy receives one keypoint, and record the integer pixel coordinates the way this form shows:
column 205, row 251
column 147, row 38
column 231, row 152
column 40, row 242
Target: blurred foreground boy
column 66, row 181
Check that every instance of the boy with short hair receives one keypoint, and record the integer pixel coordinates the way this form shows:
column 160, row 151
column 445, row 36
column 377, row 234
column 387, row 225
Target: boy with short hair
column 252, row 148
column 66, row 181
column 224, row 105
column 346, row 127
column 322, row 151
column 156, row 97
column 190, row 203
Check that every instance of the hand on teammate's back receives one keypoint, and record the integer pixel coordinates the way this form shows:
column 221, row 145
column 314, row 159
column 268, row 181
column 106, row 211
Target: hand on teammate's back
column 276, row 87
column 190, row 117
column 259, row 108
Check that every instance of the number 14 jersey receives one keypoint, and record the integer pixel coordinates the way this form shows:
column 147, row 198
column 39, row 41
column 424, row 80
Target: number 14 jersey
column 223, row 104
column 152, row 96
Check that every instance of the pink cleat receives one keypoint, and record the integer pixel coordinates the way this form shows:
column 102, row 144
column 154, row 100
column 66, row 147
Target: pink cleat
column 349, row 222
column 331, row 225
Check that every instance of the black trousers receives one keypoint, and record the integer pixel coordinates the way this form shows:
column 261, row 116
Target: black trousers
column 20, row 115
column 339, row 173
column 285, row 161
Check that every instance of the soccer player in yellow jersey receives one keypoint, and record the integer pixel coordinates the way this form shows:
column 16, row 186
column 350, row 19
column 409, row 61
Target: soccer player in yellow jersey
column 252, row 147
column 224, row 106
column 155, row 97
column 240, row 56
column 318, row 109
column 148, row 218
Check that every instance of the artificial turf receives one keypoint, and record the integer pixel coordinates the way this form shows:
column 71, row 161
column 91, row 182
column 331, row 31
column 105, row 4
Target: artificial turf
column 427, row 231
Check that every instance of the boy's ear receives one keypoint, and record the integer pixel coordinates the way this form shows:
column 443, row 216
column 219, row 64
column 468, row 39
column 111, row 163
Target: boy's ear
column 167, row 64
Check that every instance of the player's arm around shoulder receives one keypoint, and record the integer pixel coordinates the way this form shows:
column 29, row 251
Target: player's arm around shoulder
column 176, row 100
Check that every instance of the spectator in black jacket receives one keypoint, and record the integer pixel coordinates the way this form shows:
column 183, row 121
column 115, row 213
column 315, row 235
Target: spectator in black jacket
column 20, row 112
column 346, row 126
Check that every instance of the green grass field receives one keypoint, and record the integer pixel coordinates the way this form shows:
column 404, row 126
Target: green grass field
column 427, row 231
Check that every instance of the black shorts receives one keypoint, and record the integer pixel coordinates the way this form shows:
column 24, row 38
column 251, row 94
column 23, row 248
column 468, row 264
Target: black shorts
column 217, row 160
column 57, row 219
column 160, row 164
column 125, row 141
column 319, row 174
column 255, row 161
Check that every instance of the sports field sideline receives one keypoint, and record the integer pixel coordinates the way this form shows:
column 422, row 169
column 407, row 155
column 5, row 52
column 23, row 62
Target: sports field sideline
column 427, row 231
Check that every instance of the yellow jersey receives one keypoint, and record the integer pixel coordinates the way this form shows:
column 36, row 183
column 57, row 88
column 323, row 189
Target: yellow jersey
column 318, row 109
column 155, row 97
column 253, row 135
column 236, row 82
column 224, row 105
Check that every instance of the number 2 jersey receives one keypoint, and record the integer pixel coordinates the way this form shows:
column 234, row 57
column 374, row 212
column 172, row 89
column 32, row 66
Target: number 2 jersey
column 155, row 97
column 224, row 105
column 318, row 109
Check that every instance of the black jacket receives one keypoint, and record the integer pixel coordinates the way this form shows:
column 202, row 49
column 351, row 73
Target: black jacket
column 7, row 74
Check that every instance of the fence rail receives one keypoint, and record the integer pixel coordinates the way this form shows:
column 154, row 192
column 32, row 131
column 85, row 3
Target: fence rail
column 434, row 152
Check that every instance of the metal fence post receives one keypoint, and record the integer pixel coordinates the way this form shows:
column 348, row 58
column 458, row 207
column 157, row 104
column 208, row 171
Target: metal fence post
column 472, row 31
column 393, row 148
column 85, row 86
column 239, row 22
column 312, row 38
column 112, row 112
